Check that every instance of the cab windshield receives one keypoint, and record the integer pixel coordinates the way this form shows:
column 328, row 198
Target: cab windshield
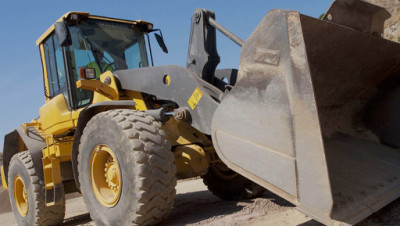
column 104, row 46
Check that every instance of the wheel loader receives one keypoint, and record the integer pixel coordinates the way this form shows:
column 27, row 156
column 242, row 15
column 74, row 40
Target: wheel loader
column 310, row 114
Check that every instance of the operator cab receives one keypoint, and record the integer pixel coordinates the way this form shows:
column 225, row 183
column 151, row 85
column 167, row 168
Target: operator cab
column 95, row 44
column 82, row 46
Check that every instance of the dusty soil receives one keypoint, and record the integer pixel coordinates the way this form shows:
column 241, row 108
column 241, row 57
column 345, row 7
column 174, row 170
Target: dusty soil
column 4, row 202
column 194, row 205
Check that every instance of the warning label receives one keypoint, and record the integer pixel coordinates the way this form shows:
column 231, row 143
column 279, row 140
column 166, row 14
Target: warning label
column 195, row 98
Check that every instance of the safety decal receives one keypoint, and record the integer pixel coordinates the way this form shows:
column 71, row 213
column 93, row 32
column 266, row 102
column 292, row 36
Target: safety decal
column 195, row 98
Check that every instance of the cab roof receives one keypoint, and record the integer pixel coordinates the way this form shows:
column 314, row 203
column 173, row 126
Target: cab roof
column 85, row 14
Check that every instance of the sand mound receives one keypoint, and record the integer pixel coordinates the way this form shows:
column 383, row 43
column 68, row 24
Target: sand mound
column 5, row 205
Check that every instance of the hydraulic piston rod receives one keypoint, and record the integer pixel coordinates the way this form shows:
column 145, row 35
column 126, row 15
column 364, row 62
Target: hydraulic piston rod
column 225, row 31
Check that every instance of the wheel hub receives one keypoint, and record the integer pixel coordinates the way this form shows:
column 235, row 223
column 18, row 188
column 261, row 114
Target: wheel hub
column 112, row 175
column 20, row 196
column 105, row 176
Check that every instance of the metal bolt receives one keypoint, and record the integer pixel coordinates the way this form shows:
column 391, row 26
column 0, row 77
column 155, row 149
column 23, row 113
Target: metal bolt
column 182, row 114
column 192, row 61
column 179, row 114
column 197, row 17
column 107, row 80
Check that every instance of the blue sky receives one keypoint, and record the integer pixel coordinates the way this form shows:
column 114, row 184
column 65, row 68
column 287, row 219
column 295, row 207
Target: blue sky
column 21, row 85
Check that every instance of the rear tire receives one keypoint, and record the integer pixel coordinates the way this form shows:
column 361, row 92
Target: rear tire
column 229, row 185
column 27, row 197
column 143, row 180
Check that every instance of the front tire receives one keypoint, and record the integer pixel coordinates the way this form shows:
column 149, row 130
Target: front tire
column 229, row 185
column 27, row 196
column 126, row 169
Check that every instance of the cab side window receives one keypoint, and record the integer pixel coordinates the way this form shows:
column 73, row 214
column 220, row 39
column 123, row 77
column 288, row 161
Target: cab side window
column 55, row 67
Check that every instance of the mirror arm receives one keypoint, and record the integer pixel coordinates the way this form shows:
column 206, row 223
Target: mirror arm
column 151, row 54
column 159, row 30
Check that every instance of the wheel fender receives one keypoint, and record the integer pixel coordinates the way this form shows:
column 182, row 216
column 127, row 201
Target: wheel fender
column 32, row 141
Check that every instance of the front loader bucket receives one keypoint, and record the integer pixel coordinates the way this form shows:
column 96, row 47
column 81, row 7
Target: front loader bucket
column 315, row 117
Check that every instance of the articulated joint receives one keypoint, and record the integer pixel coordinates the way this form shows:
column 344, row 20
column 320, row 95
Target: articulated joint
column 163, row 114
column 191, row 161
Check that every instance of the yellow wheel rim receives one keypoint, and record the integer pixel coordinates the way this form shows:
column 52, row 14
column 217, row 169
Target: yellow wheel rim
column 20, row 196
column 105, row 176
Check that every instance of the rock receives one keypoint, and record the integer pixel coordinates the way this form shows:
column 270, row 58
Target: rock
column 392, row 25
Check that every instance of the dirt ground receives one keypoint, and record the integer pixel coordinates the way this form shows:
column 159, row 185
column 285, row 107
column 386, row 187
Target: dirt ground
column 194, row 205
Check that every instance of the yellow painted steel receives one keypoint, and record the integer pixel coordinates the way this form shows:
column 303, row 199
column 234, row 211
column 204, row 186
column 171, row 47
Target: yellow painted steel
column 26, row 125
column 105, row 176
column 75, row 116
column 3, row 178
column 20, row 196
column 53, row 154
column 191, row 160
column 55, row 117
column 85, row 14
column 103, row 92
column 138, row 98
column 181, row 133
column 167, row 80
column 98, row 87
column 133, row 22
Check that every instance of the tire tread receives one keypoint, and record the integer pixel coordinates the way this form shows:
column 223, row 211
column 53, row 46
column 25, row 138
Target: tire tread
column 154, row 164
column 44, row 215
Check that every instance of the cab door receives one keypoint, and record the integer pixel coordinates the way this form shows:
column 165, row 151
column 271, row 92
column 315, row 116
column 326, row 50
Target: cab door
column 55, row 115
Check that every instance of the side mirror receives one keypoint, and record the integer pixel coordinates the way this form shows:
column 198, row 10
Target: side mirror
column 63, row 35
column 161, row 42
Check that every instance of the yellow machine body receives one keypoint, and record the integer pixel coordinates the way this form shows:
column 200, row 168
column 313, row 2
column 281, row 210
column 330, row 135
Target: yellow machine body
column 56, row 119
